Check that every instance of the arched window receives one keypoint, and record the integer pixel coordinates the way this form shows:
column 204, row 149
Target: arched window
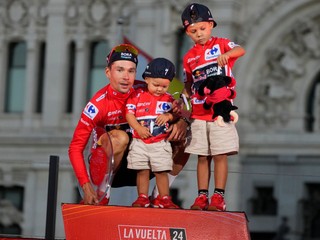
column 312, row 120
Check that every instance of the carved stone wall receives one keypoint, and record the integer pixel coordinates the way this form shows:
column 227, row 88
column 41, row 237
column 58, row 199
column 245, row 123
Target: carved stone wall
column 285, row 62
column 275, row 75
column 20, row 17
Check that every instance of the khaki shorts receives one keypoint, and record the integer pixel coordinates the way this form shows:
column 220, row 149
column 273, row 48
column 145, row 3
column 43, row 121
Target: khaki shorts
column 155, row 156
column 209, row 139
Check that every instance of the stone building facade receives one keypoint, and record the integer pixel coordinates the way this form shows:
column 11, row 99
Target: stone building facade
column 52, row 59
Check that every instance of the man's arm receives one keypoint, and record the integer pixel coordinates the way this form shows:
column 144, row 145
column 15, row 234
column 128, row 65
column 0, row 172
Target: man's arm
column 76, row 148
column 78, row 143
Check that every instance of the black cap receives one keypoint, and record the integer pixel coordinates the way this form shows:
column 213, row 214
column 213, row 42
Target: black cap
column 123, row 52
column 195, row 13
column 160, row 68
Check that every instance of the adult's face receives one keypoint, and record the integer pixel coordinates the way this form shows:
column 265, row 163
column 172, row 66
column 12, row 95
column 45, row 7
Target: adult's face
column 122, row 74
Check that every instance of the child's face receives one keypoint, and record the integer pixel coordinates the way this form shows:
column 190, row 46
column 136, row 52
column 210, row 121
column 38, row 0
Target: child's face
column 157, row 86
column 200, row 32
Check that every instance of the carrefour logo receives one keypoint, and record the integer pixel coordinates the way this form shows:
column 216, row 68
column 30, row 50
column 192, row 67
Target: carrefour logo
column 90, row 110
column 163, row 107
column 131, row 106
column 212, row 53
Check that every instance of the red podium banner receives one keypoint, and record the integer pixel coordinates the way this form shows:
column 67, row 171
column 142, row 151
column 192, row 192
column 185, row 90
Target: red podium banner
column 128, row 223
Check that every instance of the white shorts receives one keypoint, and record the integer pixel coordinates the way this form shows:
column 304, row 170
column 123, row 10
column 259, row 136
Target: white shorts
column 155, row 156
column 209, row 139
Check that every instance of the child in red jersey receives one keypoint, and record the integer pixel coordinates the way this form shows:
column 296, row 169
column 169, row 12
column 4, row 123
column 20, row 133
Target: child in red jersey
column 149, row 111
column 208, row 57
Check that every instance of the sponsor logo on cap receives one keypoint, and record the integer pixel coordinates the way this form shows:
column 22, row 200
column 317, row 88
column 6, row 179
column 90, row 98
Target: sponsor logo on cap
column 126, row 55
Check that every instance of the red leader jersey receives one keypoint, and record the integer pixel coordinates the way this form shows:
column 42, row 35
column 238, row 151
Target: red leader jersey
column 199, row 63
column 146, row 109
column 106, row 109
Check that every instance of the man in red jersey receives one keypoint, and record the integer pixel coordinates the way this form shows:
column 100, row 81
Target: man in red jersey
column 106, row 110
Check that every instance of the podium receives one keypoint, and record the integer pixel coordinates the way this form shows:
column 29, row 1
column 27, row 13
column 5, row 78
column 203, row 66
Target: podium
column 123, row 223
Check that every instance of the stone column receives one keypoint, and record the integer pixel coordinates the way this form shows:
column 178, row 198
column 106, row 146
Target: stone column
column 233, row 188
column 31, row 81
column 81, row 76
column 55, row 85
column 163, row 25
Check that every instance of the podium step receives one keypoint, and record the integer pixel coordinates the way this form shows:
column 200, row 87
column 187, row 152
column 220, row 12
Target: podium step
column 117, row 222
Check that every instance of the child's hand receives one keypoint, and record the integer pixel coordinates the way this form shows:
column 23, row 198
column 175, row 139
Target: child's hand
column 143, row 132
column 223, row 59
column 163, row 119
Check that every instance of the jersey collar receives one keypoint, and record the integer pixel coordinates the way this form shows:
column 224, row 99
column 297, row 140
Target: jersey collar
column 197, row 45
column 118, row 94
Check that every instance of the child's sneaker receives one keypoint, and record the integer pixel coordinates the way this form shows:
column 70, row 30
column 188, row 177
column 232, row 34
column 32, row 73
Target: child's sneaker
column 201, row 203
column 142, row 201
column 166, row 202
column 217, row 203
column 155, row 202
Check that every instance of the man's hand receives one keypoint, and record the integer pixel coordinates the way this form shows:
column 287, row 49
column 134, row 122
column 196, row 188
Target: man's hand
column 90, row 196
column 177, row 106
column 178, row 131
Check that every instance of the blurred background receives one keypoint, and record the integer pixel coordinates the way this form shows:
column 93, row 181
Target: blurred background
column 52, row 60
